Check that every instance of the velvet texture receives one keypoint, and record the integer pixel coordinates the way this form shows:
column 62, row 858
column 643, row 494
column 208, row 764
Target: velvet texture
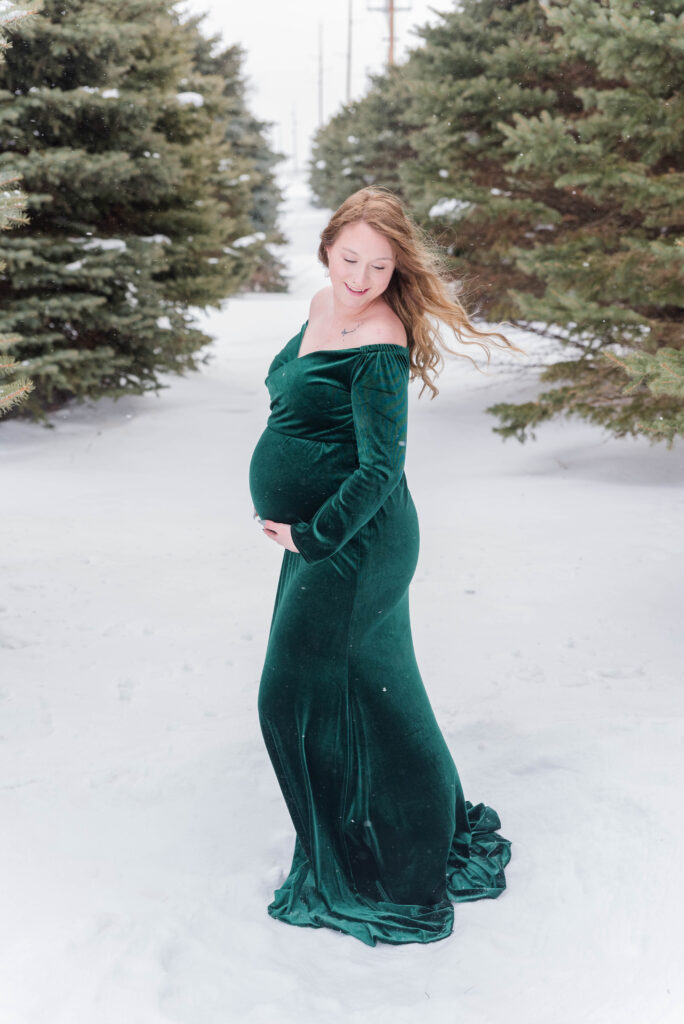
column 385, row 840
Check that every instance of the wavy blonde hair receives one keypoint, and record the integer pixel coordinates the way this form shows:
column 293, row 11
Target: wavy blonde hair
column 419, row 287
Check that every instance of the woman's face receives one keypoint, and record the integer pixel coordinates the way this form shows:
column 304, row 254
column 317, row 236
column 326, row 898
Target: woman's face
column 361, row 263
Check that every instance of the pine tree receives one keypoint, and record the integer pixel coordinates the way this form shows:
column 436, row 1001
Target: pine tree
column 135, row 212
column 12, row 204
column 253, row 185
column 365, row 143
column 614, row 270
column 479, row 66
column 663, row 375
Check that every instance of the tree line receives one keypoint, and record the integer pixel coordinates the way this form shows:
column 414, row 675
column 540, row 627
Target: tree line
column 137, row 185
column 540, row 143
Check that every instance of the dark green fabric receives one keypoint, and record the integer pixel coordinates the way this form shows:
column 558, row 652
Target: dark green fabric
column 385, row 840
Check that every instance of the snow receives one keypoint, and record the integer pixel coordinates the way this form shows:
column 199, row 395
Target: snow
column 115, row 244
column 258, row 236
column 449, row 208
column 106, row 94
column 194, row 99
column 143, row 831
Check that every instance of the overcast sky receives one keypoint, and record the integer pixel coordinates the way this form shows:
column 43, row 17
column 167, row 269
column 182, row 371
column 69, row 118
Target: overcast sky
column 281, row 63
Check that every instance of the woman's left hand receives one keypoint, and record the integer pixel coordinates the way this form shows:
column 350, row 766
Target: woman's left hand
column 280, row 533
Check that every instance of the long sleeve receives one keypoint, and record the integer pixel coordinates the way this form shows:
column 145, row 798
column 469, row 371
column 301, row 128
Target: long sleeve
column 379, row 399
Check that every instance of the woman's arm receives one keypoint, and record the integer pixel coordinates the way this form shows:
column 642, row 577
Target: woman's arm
column 379, row 398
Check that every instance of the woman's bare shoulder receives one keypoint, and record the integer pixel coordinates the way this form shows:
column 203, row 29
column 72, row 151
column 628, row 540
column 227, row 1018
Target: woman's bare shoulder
column 385, row 326
column 320, row 300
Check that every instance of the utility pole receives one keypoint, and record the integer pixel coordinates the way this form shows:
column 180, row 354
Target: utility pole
column 389, row 8
column 349, row 48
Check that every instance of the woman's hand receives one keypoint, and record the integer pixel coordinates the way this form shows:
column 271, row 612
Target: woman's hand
column 280, row 533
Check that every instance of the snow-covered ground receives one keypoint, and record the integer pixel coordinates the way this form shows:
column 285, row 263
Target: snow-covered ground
column 142, row 831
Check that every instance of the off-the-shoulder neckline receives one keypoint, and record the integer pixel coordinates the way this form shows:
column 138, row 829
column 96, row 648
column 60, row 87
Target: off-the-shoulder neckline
column 337, row 351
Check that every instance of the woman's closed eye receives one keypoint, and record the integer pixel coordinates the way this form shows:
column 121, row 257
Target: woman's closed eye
column 354, row 261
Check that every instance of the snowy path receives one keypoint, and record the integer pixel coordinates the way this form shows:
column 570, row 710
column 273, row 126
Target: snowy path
column 142, row 829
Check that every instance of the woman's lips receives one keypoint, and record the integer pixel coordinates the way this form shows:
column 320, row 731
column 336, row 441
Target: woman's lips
column 362, row 292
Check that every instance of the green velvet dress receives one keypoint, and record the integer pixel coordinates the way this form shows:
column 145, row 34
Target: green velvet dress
column 385, row 841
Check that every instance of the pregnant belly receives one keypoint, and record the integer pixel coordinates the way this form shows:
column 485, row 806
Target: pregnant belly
column 290, row 477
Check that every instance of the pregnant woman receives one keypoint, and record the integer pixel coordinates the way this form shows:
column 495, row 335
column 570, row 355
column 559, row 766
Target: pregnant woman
column 385, row 840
